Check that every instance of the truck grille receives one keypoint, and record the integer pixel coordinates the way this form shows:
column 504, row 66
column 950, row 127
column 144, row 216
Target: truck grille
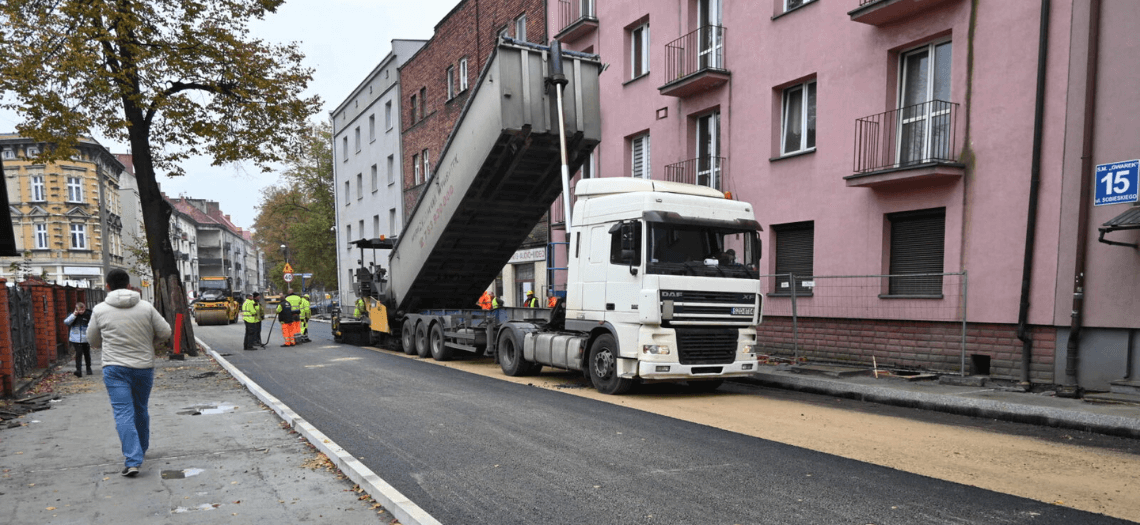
column 709, row 308
column 706, row 346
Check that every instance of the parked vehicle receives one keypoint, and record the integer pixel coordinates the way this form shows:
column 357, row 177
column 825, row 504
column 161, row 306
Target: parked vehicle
column 216, row 303
column 653, row 293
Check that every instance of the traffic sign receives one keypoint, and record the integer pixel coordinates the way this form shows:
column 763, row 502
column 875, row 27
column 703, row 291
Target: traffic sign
column 288, row 268
column 288, row 277
column 307, row 275
column 1116, row 182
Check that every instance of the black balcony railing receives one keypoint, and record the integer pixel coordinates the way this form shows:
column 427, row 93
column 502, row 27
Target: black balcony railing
column 571, row 12
column 907, row 137
column 702, row 171
column 209, row 261
column 698, row 51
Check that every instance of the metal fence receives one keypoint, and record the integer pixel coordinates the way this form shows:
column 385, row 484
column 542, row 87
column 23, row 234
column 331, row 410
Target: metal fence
column 938, row 301
column 23, row 326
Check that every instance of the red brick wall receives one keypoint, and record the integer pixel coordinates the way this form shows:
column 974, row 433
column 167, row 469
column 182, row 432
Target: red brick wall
column 43, row 306
column 923, row 345
column 7, row 359
column 470, row 31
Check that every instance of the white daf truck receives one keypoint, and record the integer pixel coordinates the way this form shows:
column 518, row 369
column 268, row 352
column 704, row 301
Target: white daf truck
column 663, row 277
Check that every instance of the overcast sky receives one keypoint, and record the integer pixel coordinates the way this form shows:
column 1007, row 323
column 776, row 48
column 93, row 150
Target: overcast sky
column 342, row 41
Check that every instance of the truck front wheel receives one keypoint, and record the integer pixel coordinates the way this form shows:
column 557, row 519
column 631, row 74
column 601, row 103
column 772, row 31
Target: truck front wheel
column 603, row 367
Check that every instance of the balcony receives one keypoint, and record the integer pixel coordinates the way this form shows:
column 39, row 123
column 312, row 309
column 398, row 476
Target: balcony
column 576, row 18
column 883, row 12
column 702, row 171
column 209, row 261
column 694, row 63
column 912, row 144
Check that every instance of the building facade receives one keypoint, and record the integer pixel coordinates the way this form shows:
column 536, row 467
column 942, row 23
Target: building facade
column 435, row 85
column 215, row 248
column 900, row 141
column 67, row 215
column 367, row 170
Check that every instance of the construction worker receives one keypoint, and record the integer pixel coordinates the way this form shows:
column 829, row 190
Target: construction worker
column 306, row 313
column 485, row 300
column 361, row 308
column 496, row 302
column 289, row 315
column 551, row 300
column 252, row 314
column 531, row 301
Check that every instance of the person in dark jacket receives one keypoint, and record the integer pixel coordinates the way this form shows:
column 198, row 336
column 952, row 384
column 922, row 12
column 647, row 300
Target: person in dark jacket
column 77, row 336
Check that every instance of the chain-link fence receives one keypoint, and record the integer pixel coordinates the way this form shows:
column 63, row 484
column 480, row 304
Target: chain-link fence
column 911, row 321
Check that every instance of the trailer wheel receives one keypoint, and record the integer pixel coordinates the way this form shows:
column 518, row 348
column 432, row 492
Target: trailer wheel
column 704, row 386
column 422, row 348
column 439, row 350
column 408, row 338
column 511, row 357
column 603, row 367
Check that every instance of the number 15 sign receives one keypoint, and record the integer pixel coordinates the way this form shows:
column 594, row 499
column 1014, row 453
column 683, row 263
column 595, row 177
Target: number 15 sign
column 1117, row 182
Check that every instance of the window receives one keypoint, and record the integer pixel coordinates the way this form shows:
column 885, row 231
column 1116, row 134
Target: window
column 347, row 192
column 588, row 167
column 414, row 107
column 711, row 36
column 41, row 234
column 423, row 103
column 639, row 50
column 78, row 236
column 345, row 149
column 348, row 232
column 361, row 229
column 795, row 254
column 520, row 28
column 427, row 165
column 462, row 75
column 375, row 226
column 792, row 4
column 388, row 115
column 375, row 184
column 628, row 234
column 371, row 128
column 74, row 189
column 798, row 121
column 391, row 170
column 708, row 150
column 38, row 188
column 392, row 222
column 917, row 247
column 359, row 185
column 639, row 154
column 924, row 107
column 9, row 154
column 415, row 170
column 357, row 139
column 32, row 151
column 450, row 82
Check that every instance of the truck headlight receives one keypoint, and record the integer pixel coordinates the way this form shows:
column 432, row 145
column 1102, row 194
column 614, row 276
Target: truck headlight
column 655, row 349
column 749, row 349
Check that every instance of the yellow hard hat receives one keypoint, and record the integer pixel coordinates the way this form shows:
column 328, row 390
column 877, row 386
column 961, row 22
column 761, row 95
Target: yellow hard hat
column 530, row 292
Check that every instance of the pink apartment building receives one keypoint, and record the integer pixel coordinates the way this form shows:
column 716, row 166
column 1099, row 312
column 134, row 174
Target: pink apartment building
column 945, row 152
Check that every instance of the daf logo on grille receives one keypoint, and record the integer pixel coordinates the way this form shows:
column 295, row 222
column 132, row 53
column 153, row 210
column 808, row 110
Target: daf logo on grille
column 671, row 294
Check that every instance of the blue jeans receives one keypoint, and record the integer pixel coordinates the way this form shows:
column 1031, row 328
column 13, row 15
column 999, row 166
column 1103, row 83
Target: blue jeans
column 129, row 389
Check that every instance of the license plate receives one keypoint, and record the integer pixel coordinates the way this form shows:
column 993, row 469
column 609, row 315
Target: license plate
column 743, row 311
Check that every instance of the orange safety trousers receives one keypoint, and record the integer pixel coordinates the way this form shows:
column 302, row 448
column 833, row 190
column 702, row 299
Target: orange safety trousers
column 289, row 331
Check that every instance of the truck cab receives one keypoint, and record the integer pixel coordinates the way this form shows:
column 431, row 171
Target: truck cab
column 670, row 273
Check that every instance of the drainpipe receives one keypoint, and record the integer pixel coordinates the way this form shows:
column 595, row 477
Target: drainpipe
column 1034, row 184
column 1071, row 386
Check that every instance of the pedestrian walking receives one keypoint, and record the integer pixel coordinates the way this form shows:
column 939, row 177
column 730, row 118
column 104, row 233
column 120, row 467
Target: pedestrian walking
column 531, row 301
column 252, row 314
column 126, row 329
column 77, row 335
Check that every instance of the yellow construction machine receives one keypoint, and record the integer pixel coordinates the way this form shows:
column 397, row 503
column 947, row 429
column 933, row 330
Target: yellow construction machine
column 215, row 304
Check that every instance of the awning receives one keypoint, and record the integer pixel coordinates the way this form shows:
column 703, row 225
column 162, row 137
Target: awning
column 1129, row 220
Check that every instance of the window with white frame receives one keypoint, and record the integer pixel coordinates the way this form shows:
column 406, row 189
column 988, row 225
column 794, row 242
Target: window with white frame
column 32, row 151
column 520, row 28
column 639, row 50
column 359, row 186
column 416, row 170
column 41, row 235
column 450, row 82
column 348, row 232
column 74, row 189
column 462, row 75
column 371, row 128
column 924, row 104
column 639, row 155
column 798, row 120
column 375, row 175
column 9, row 154
column 708, row 150
column 391, row 169
column 38, row 194
column 78, row 236
column 792, row 4
column 427, row 165
column 388, row 115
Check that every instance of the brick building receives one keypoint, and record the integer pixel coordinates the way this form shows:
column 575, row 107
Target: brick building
column 435, row 85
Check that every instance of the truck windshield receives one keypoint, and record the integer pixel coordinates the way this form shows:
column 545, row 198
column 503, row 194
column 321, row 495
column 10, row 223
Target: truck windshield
column 682, row 249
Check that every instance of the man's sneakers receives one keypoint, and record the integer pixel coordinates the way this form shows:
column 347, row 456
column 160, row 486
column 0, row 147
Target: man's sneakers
column 130, row 472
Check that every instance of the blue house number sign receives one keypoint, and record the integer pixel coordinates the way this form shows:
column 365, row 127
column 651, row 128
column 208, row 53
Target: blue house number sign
column 1117, row 182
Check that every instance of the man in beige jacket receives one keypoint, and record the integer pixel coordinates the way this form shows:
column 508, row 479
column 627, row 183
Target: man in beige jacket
column 126, row 328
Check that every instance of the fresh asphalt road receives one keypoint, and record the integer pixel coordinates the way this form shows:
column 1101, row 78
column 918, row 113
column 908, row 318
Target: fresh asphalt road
column 472, row 449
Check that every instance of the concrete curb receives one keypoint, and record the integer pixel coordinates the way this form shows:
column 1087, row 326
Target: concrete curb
column 986, row 408
column 404, row 509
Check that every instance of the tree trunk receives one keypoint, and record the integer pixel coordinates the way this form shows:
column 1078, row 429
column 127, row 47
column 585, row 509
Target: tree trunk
column 170, row 296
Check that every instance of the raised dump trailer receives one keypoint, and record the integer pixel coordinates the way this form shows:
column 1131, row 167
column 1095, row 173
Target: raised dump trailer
column 647, row 266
